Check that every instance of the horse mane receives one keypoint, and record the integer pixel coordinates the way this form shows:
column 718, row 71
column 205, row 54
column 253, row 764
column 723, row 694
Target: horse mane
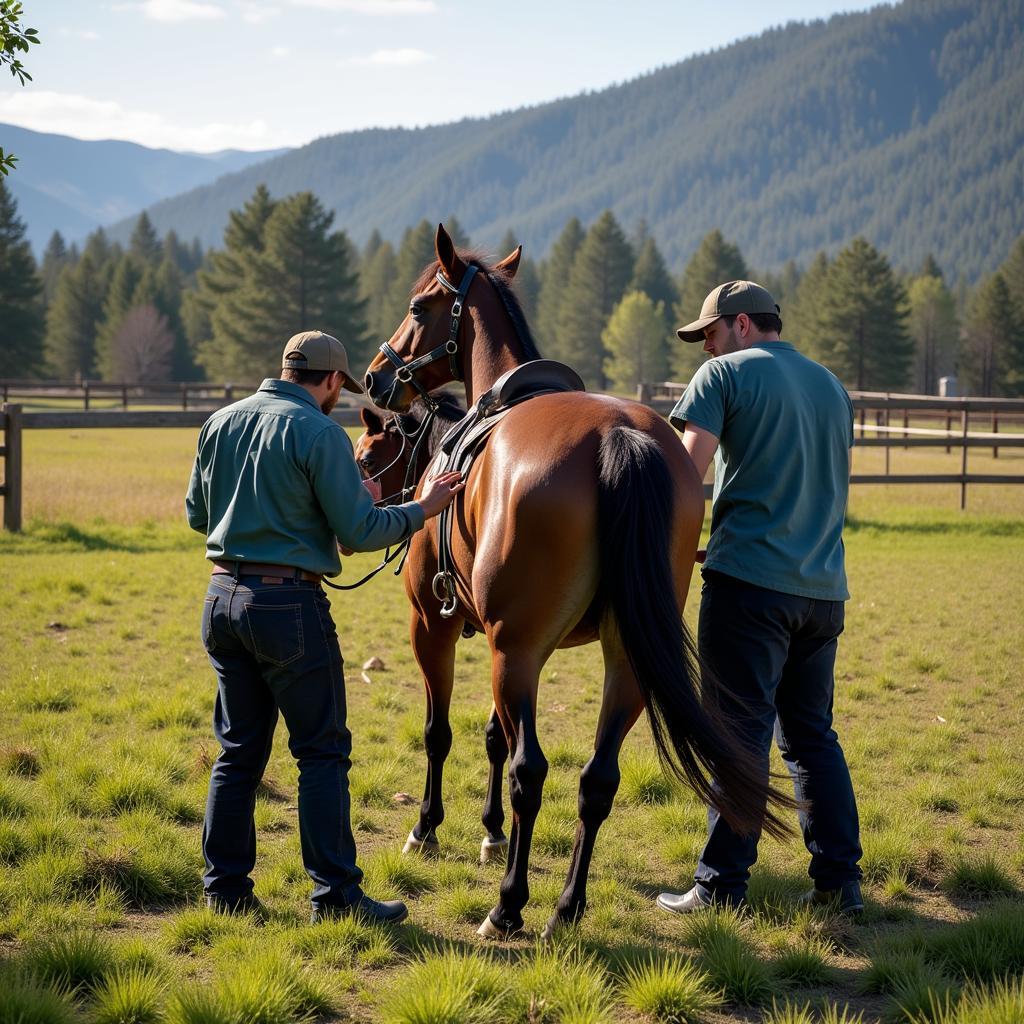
column 449, row 411
column 506, row 292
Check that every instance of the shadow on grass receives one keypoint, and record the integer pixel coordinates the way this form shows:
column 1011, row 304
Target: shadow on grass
column 40, row 537
column 1009, row 527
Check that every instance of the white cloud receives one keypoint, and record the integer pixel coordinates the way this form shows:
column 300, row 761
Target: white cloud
column 174, row 10
column 85, row 118
column 372, row 7
column 280, row 52
column 390, row 58
column 257, row 13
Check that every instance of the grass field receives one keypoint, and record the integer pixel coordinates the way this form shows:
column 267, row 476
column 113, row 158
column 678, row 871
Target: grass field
column 105, row 747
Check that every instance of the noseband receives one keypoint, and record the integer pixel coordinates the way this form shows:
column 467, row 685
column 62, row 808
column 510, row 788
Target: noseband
column 405, row 372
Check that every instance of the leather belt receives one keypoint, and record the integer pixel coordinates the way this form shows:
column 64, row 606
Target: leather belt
column 270, row 573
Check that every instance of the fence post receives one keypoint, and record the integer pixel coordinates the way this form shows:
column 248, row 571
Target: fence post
column 884, row 418
column 963, row 462
column 184, row 397
column 85, row 385
column 995, row 430
column 12, row 467
column 949, row 427
column 906, row 424
column 124, row 396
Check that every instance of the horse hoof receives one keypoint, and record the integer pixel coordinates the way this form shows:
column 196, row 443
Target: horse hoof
column 493, row 850
column 489, row 930
column 428, row 847
column 550, row 929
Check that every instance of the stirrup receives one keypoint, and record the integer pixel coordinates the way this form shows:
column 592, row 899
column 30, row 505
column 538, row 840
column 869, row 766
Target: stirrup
column 444, row 590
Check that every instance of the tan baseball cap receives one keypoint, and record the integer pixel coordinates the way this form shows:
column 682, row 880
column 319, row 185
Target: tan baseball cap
column 729, row 299
column 314, row 350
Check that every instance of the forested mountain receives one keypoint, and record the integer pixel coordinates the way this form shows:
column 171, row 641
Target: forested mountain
column 902, row 124
column 72, row 186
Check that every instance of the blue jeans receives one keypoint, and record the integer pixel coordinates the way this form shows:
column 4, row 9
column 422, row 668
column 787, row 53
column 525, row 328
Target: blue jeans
column 274, row 648
column 775, row 653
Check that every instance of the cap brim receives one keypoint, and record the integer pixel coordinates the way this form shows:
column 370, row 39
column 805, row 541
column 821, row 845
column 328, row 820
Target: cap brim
column 349, row 384
column 695, row 331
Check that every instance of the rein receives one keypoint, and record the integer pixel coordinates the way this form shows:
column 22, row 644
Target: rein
column 416, row 437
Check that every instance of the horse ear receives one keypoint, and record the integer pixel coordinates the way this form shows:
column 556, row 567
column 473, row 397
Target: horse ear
column 510, row 264
column 452, row 267
column 373, row 423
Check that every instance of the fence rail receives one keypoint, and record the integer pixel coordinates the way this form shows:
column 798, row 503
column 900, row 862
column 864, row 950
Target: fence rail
column 14, row 420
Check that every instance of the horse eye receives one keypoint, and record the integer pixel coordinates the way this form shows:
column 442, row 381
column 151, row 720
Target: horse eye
column 416, row 310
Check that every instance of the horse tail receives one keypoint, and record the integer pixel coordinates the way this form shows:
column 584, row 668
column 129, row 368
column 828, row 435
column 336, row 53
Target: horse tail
column 637, row 591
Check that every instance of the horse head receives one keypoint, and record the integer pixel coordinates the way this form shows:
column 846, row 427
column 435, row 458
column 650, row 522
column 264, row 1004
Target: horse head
column 388, row 446
column 432, row 346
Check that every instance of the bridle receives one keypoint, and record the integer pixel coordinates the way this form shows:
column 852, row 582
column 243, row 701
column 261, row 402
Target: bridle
column 405, row 372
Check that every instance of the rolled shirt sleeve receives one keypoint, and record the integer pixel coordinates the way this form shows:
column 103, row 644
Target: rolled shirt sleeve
column 357, row 523
column 704, row 402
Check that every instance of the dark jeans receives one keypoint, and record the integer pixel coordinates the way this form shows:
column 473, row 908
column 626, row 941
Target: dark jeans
column 776, row 654
column 274, row 648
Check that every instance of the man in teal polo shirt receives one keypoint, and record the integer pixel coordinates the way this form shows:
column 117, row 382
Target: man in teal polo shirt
column 276, row 490
column 780, row 428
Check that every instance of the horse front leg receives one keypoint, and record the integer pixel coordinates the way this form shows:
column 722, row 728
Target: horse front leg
column 433, row 644
column 495, row 844
column 515, row 676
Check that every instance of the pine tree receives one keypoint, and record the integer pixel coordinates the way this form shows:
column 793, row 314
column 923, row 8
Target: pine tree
column 415, row 253
column 21, row 313
column 210, row 312
column 993, row 358
column 377, row 275
column 554, row 279
column 651, row 276
column 933, row 326
column 636, row 343
column 145, row 244
column 863, row 320
column 527, row 286
column 1012, row 270
column 72, row 319
column 187, row 258
column 55, row 259
column 120, row 299
column 715, row 262
column 302, row 280
column 801, row 318
column 930, row 268
column 373, row 243
column 600, row 274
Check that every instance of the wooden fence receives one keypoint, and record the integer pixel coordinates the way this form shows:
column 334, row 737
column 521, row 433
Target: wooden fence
column 177, row 394
column 883, row 421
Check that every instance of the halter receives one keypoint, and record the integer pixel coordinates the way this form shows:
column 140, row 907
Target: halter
column 404, row 372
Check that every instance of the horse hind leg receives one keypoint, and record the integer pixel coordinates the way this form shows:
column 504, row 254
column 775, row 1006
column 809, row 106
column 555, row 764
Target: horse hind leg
column 495, row 844
column 621, row 706
column 515, row 678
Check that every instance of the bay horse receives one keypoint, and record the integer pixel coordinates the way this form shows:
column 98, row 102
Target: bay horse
column 386, row 453
column 579, row 522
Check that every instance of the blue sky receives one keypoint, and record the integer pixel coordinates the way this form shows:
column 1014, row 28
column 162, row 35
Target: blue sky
column 256, row 74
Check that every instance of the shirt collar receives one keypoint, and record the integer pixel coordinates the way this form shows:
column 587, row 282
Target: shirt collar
column 773, row 344
column 287, row 389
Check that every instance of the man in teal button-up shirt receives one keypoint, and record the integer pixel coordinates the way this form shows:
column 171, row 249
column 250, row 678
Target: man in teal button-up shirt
column 275, row 489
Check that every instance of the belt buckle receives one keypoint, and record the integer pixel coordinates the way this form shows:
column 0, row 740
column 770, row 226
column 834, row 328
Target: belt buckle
column 271, row 579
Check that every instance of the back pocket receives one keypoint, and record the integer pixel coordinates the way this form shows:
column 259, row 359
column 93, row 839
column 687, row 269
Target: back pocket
column 276, row 632
column 206, row 622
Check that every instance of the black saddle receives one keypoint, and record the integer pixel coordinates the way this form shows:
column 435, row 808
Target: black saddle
column 466, row 439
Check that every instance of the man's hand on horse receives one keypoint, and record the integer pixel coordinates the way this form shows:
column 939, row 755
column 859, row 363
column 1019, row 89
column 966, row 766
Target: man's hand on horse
column 439, row 492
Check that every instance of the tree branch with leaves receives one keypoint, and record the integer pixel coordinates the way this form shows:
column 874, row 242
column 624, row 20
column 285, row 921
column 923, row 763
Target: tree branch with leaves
column 14, row 39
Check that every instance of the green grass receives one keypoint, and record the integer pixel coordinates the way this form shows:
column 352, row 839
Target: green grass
column 105, row 752
column 671, row 991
